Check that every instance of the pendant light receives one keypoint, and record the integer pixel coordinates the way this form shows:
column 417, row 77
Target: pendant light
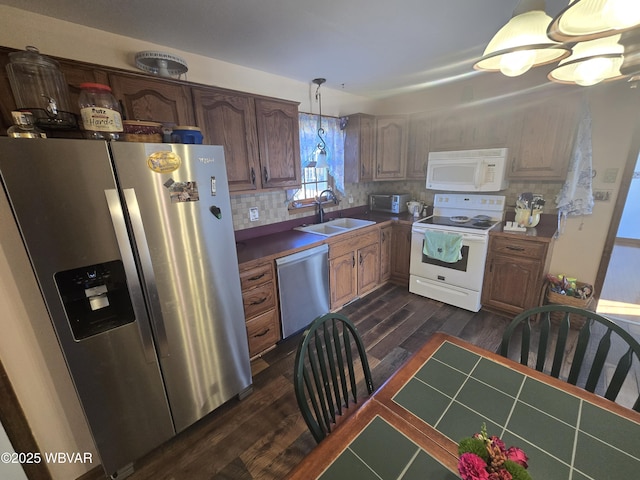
column 590, row 19
column 591, row 62
column 522, row 43
column 320, row 153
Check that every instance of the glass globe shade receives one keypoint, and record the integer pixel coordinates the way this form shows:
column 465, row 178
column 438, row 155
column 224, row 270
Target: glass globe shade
column 516, row 63
column 621, row 13
column 592, row 71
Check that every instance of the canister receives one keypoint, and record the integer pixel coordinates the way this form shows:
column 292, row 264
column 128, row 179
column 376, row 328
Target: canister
column 187, row 134
column 100, row 112
column 139, row 131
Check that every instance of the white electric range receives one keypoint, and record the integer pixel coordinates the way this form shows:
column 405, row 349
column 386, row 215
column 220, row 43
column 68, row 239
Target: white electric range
column 471, row 216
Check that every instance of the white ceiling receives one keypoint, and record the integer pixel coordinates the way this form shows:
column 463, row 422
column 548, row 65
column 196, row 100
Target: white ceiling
column 373, row 48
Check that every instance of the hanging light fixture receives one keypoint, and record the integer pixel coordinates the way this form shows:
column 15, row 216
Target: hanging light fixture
column 320, row 153
column 586, row 20
column 591, row 62
column 522, row 43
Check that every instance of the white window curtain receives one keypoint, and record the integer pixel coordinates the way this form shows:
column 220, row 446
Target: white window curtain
column 576, row 196
column 334, row 139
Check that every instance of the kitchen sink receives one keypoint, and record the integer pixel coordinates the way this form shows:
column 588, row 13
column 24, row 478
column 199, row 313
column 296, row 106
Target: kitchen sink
column 335, row 227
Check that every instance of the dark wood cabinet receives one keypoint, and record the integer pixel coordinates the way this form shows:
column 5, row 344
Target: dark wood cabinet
column 278, row 143
column 420, row 145
column 152, row 99
column 354, row 265
column 514, row 272
column 400, row 253
column 359, row 148
column 259, row 296
column 543, row 140
column 260, row 137
column 386, row 239
column 228, row 119
column 391, row 147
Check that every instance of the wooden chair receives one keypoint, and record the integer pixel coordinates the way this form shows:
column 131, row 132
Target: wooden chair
column 574, row 340
column 325, row 380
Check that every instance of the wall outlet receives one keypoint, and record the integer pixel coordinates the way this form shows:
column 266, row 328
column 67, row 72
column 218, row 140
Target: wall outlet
column 253, row 214
column 350, row 199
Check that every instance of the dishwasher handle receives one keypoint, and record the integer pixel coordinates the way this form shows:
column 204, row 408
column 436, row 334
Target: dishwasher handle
column 301, row 256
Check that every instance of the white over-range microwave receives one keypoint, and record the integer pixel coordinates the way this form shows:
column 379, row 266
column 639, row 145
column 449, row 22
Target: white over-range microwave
column 468, row 170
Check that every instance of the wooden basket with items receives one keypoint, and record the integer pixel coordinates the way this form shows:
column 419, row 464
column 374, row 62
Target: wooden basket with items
column 564, row 290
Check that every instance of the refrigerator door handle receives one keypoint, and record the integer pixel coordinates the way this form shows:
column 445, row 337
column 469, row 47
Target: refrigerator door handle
column 133, row 208
column 133, row 282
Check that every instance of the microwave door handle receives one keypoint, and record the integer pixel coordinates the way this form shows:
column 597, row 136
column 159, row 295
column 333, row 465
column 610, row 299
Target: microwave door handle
column 479, row 175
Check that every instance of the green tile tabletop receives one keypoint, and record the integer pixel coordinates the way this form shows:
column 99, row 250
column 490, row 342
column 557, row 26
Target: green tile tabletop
column 411, row 426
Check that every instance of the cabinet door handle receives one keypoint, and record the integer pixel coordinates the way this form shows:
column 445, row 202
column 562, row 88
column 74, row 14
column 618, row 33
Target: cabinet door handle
column 253, row 176
column 378, row 170
column 362, row 168
column 262, row 334
column 258, row 302
column 516, row 249
column 257, row 277
column 382, row 236
column 353, row 260
column 266, row 174
column 360, row 259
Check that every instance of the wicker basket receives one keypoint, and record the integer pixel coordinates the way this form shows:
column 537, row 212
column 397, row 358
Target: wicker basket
column 559, row 299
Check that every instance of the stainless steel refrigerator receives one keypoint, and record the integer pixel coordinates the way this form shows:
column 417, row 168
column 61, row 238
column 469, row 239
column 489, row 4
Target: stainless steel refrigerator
column 133, row 248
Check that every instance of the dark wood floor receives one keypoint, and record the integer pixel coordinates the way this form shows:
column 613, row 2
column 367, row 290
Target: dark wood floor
column 264, row 436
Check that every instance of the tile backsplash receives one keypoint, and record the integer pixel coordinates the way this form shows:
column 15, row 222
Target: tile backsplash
column 272, row 206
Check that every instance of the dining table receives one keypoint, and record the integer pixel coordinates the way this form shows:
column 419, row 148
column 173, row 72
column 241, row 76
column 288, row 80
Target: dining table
column 410, row 427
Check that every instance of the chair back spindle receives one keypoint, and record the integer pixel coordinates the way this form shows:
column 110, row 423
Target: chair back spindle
column 588, row 351
column 325, row 376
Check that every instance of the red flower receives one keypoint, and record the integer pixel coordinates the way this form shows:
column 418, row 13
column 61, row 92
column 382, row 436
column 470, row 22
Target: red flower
column 516, row 455
column 472, row 467
column 501, row 474
column 499, row 443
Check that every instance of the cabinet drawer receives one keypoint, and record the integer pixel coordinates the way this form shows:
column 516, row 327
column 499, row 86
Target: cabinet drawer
column 258, row 300
column 518, row 247
column 256, row 276
column 263, row 332
column 341, row 247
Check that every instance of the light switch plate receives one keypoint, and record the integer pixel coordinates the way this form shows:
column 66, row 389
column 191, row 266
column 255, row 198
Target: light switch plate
column 610, row 175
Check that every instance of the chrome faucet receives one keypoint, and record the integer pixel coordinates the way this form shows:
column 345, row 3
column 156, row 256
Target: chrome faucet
column 330, row 194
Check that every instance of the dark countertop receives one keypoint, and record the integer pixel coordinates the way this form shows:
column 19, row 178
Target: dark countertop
column 286, row 242
column 545, row 230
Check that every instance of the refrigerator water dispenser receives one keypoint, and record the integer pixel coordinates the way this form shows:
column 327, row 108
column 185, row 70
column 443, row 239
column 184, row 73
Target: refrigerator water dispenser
column 95, row 298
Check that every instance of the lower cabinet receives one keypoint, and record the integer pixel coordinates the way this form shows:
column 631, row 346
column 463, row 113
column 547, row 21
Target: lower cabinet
column 354, row 265
column 514, row 273
column 259, row 296
column 400, row 253
column 386, row 238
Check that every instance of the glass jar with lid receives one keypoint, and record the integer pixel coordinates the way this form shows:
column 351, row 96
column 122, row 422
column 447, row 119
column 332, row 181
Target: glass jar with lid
column 100, row 112
column 38, row 86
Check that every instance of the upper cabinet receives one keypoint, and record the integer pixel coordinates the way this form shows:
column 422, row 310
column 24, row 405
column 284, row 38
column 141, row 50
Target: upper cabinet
column 143, row 98
column 359, row 148
column 278, row 142
column 480, row 127
column 419, row 145
column 260, row 136
column 229, row 119
column 544, row 138
column 391, row 147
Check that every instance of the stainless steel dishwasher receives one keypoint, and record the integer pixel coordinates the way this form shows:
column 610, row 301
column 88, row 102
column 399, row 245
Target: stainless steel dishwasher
column 303, row 286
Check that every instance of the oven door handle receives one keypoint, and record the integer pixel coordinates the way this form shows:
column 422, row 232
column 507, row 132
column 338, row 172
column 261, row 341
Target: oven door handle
column 465, row 237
